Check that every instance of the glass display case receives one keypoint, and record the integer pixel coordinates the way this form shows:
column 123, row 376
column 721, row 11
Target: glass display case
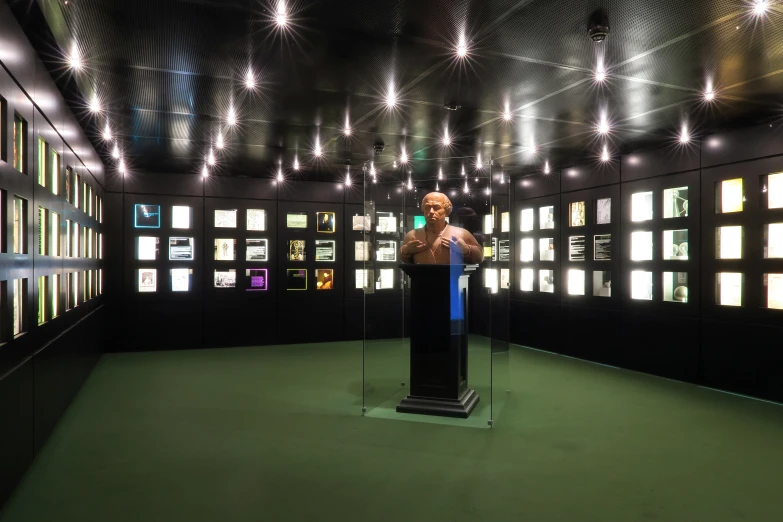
column 675, row 287
column 576, row 282
column 527, row 249
column 772, row 188
column 773, row 241
column 675, row 202
column 729, row 195
column 526, row 220
column 729, row 242
column 641, row 285
column 546, row 217
column 773, row 285
column 642, row 206
column 546, row 249
column 729, row 288
column 546, row 281
column 641, row 246
column 675, row 245
column 602, row 283
column 526, row 278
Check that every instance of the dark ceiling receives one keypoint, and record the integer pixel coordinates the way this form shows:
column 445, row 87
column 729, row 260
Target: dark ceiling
column 167, row 72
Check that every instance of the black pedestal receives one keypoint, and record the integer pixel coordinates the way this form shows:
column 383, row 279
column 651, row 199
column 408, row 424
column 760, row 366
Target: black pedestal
column 439, row 341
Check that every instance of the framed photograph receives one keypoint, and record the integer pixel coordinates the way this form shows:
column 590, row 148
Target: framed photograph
column 226, row 278
column 324, row 250
column 147, row 248
column 505, row 224
column 504, row 250
column 225, row 249
column 602, row 283
column 296, row 250
column 181, row 217
column 181, row 248
column 256, row 280
column 147, row 216
column 387, row 251
column 385, row 280
column 296, row 279
column 324, row 279
column 226, row 218
column 296, row 220
column 180, row 279
column 603, row 211
column 577, row 214
column 147, row 279
column 505, row 278
column 325, row 222
column 602, row 247
column 362, row 251
column 361, row 223
column 576, row 248
column 256, row 220
column 256, row 250
column 386, row 223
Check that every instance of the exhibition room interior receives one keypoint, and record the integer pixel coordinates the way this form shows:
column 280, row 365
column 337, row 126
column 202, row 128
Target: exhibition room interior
column 391, row 259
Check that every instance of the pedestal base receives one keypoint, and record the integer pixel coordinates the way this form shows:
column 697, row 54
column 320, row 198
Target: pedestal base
column 442, row 407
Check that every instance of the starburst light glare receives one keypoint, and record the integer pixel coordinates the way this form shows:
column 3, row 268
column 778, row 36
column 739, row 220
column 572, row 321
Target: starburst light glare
column 507, row 113
column 547, row 170
column 205, row 171
column 605, row 154
column 446, row 138
column 410, row 183
column 403, row 156
column 347, row 129
column 685, row 136
column 219, row 143
column 211, row 158
column 231, row 118
column 440, row 173
column 760, row 7
column 121, row 166
column 467, row 188
column 281, row 17
column 372, row 169
column 600, row 72
column 115, row 153
column 348, row 177
column 317, row 149
column 391, row 97
column 250, row 79
column 75, row 59
column 107, row 132
column 709, row 92
column 478, row 162
column 95, row 104
column 603, row 124
column 296, row 163
column 280, row 176
column 462, row 47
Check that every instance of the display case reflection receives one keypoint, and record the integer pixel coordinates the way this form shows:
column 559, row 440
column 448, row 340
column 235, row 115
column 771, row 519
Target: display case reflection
column 675, row 244
column 491, row 280
column 675, row 287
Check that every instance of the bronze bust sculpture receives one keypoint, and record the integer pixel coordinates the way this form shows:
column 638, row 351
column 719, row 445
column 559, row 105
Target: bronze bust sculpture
column 433, row 243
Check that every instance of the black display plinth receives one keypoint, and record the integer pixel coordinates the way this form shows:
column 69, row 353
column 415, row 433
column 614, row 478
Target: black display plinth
column 439, row 341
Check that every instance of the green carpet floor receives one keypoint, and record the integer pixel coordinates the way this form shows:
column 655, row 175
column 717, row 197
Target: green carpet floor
column 275, row 434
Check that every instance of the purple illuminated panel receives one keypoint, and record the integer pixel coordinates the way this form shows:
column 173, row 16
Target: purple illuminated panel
column 257, row 280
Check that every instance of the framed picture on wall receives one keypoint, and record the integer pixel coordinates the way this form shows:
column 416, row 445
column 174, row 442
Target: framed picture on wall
column 296, row 279
column 226, row 278
column 147, row 216
column 181, row 248
column 256, row 250
column 256, row 220
column 180, row 279
column 257, row 280
column 361, row 223
column 225, row 249
column 325, row 222
column 296, row 220
column 226, row 218
column 296, row 250
column 146, row 248
column 147, row 279
column 324, row 279
column 324, row 250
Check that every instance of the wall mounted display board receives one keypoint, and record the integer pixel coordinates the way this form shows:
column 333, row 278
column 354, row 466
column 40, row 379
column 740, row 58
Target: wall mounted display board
column 386, row 223
column 675, row 202
column 773, row 284
column 546, row 217
column 181, row 279
column 387, row 250
column 602, row 283
column 324, row 279
column 385, row 280
column 147, row 216
column 488, row 223
column 296, row 250
column 576, row 282
column 255, row 220
column 226, row 218
column 147, row 279
column 675, row 245
column 362, row 223
column 527, row 220
column 296, row 279
column 641, row 245
column 181, row 248
column 642, row 206
column 491, row 280
column 603, row 211
column 772, row 190
column 362, row 250
column 225, row 249
column 602, row 247
column 257, row 280
column 504, row 250
column 324, row 250
column 773, row 241
column 576, row 213
column 729, row 242
column 642, row 285
column 181, row 217
column 147, row 248
column 505, row 278
column 527, row 277
column 729, row 288
column 576, row 248
column 226, row 278
column 730, row 196
column 675, row 287
column 296, row 220
column 256, row 250
column 546, row 281
column 325, row 222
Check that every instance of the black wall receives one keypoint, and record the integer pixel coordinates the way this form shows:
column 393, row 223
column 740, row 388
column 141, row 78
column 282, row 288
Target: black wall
column 736, row 349
column 42, row 368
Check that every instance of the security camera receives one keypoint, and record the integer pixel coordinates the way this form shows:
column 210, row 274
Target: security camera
column 378, row 146
column 598, row 26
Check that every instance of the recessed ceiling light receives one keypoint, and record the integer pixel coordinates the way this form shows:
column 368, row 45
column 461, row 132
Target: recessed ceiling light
column 347, row 130
column 463, row 170
column 440, row 173
column 507, row 113
column 231, row 118
column 410, row 183
column 462, row 47
column 219, row 143
column 600, row 72
column 250, row 79
column 95, row 104
column 115, row 153
column 446, row 138
column 479, row 165
column 74, row 59
column 760, row 7
column 547, row 170
column 211, row 158
column 205, row 171
column 317, row 149
column 107, row 132
column 296, row 163
column 605, row 154
column 391, row 96
column 685, row 136
column 372, row 169
column 603, row 126
column 403, row 157
column 121, row 166
column 282, row 16
column 467, row 188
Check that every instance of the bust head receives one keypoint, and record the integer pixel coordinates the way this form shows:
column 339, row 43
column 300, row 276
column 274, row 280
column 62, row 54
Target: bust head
column 436, row 207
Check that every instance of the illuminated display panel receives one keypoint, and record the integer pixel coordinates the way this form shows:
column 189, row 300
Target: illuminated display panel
column 729, row 291
column 642, row 206
column 526, row 279
column 641, row 246
column 641, row 285
column 526, row 222
column 731, row 196
column 576, row 282
column 675, row 287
